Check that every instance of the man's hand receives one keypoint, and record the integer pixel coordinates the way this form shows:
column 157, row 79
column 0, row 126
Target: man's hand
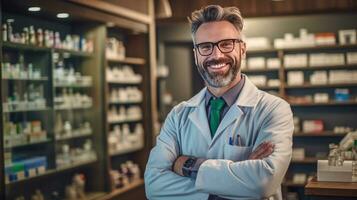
column 177, row 168
column 264, row 150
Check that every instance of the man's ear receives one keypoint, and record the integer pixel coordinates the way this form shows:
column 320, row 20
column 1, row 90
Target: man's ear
column 195, row 55
column 243, row 50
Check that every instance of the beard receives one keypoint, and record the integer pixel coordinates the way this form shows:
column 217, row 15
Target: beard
column 219, row 79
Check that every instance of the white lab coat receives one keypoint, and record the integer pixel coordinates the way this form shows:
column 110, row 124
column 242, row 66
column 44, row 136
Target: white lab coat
column 256, row 116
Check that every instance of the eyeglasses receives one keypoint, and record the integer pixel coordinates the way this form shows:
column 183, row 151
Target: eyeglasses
column 225, row 46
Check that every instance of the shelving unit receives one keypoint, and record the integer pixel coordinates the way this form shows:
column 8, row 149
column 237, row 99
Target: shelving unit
column 312, row 142
column 88, row 19
column 120, row 147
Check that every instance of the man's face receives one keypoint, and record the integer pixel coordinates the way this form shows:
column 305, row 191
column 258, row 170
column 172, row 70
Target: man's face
column 219, row 69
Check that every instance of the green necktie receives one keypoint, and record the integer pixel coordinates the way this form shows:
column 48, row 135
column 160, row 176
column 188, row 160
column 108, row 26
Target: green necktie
column 216, row 108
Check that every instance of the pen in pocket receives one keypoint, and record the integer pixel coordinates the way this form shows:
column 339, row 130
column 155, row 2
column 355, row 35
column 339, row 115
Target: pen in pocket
column 238, row 141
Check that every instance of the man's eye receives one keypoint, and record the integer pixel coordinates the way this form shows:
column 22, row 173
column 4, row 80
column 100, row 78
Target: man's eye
column 226, row 44
column 205, row 47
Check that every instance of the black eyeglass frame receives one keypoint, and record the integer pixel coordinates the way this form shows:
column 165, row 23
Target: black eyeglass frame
column 216, row 44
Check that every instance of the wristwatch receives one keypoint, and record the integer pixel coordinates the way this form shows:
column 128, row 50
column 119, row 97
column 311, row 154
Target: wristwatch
column 188, row 166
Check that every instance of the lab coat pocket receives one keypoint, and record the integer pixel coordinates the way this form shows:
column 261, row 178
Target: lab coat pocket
column 237, row 153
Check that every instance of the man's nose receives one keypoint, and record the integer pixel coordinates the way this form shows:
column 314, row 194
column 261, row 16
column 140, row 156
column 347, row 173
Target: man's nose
column 216, row 52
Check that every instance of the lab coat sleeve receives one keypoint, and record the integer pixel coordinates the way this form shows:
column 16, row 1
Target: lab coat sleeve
column 160, row 181
column 253, row 178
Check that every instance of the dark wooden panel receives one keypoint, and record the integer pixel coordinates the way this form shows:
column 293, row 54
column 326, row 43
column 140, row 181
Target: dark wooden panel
column 2, row 164
column 259, row 8
column 137, row 5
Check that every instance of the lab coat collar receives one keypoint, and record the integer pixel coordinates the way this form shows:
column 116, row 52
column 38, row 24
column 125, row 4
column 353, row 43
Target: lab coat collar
column 247, row 98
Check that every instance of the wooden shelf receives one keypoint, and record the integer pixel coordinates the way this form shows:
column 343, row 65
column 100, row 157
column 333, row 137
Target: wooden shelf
column 270, row 50
column 308, row 160
column 24, row 47
column 28, row 144
column 127, row 150
column 322, row 47
column 124, row 121
column 322, row 134
column 125, row 102
column 332, row 189
column 74, row 136
column 331, row 103
column 27, row 47
column 53, row 171
column 28, row 110
column 73, row 108
column 73, row 85
column 292, row 184
column 120, row 191
column 26, row 79
column 307, row 85
column 268, row 87
column 247, row 70
column 128, row 60
column 76, row 164
column 346, row 66
column 73, row 53
column 95, row 195
column 124, row 82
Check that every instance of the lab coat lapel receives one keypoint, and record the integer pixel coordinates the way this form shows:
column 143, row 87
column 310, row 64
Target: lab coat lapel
column 199, row 115
column 233, row 114
column 247, row 98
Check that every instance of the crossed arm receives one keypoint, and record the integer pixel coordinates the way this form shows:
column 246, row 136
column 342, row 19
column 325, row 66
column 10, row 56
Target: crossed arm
column 263, row 150
column 257, row 177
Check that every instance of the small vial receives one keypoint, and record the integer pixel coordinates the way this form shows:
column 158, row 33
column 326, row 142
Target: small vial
column 39, row 37
column 4, row 32
column 354, row 162
column 332, row 155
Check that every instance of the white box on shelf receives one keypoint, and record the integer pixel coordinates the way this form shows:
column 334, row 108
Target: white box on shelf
column 312, row 126
column 343, row 173
column 289, row 41
column 298, row 154
column 321, row 97
column 296, row 78
column 273, row 63
column 256, row 63
column 324, row 39
column 347, row 36
column 295, row 60
column 274, row 82
column 351, row 58
column 326, row 59
column 342, row 76
column 319, row 78
column 299, row 178
column 257, row 43
column 259, row 80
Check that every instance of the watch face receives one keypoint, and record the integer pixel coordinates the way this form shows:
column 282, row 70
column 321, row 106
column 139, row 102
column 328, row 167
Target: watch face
column 189, row 163
column 187, row 167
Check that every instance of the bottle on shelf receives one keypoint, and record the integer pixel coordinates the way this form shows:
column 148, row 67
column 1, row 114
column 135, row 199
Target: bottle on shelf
column 354, row 162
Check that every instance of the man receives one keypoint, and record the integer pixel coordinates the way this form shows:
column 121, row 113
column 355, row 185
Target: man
column 231, row 140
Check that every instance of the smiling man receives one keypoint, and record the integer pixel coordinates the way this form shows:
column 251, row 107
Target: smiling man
column 231, row 140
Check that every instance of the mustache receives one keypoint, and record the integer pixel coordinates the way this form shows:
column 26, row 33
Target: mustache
column 217, row 61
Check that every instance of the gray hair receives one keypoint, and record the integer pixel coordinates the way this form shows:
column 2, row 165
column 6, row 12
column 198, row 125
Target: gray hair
column 214, row 13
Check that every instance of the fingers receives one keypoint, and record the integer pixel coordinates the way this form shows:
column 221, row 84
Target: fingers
column 264, row 150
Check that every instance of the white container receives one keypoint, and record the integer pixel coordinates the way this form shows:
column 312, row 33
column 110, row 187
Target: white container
column 296, row 78
column 334, row 173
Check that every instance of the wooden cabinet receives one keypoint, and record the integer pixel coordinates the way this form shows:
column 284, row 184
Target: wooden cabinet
column 72, row 98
